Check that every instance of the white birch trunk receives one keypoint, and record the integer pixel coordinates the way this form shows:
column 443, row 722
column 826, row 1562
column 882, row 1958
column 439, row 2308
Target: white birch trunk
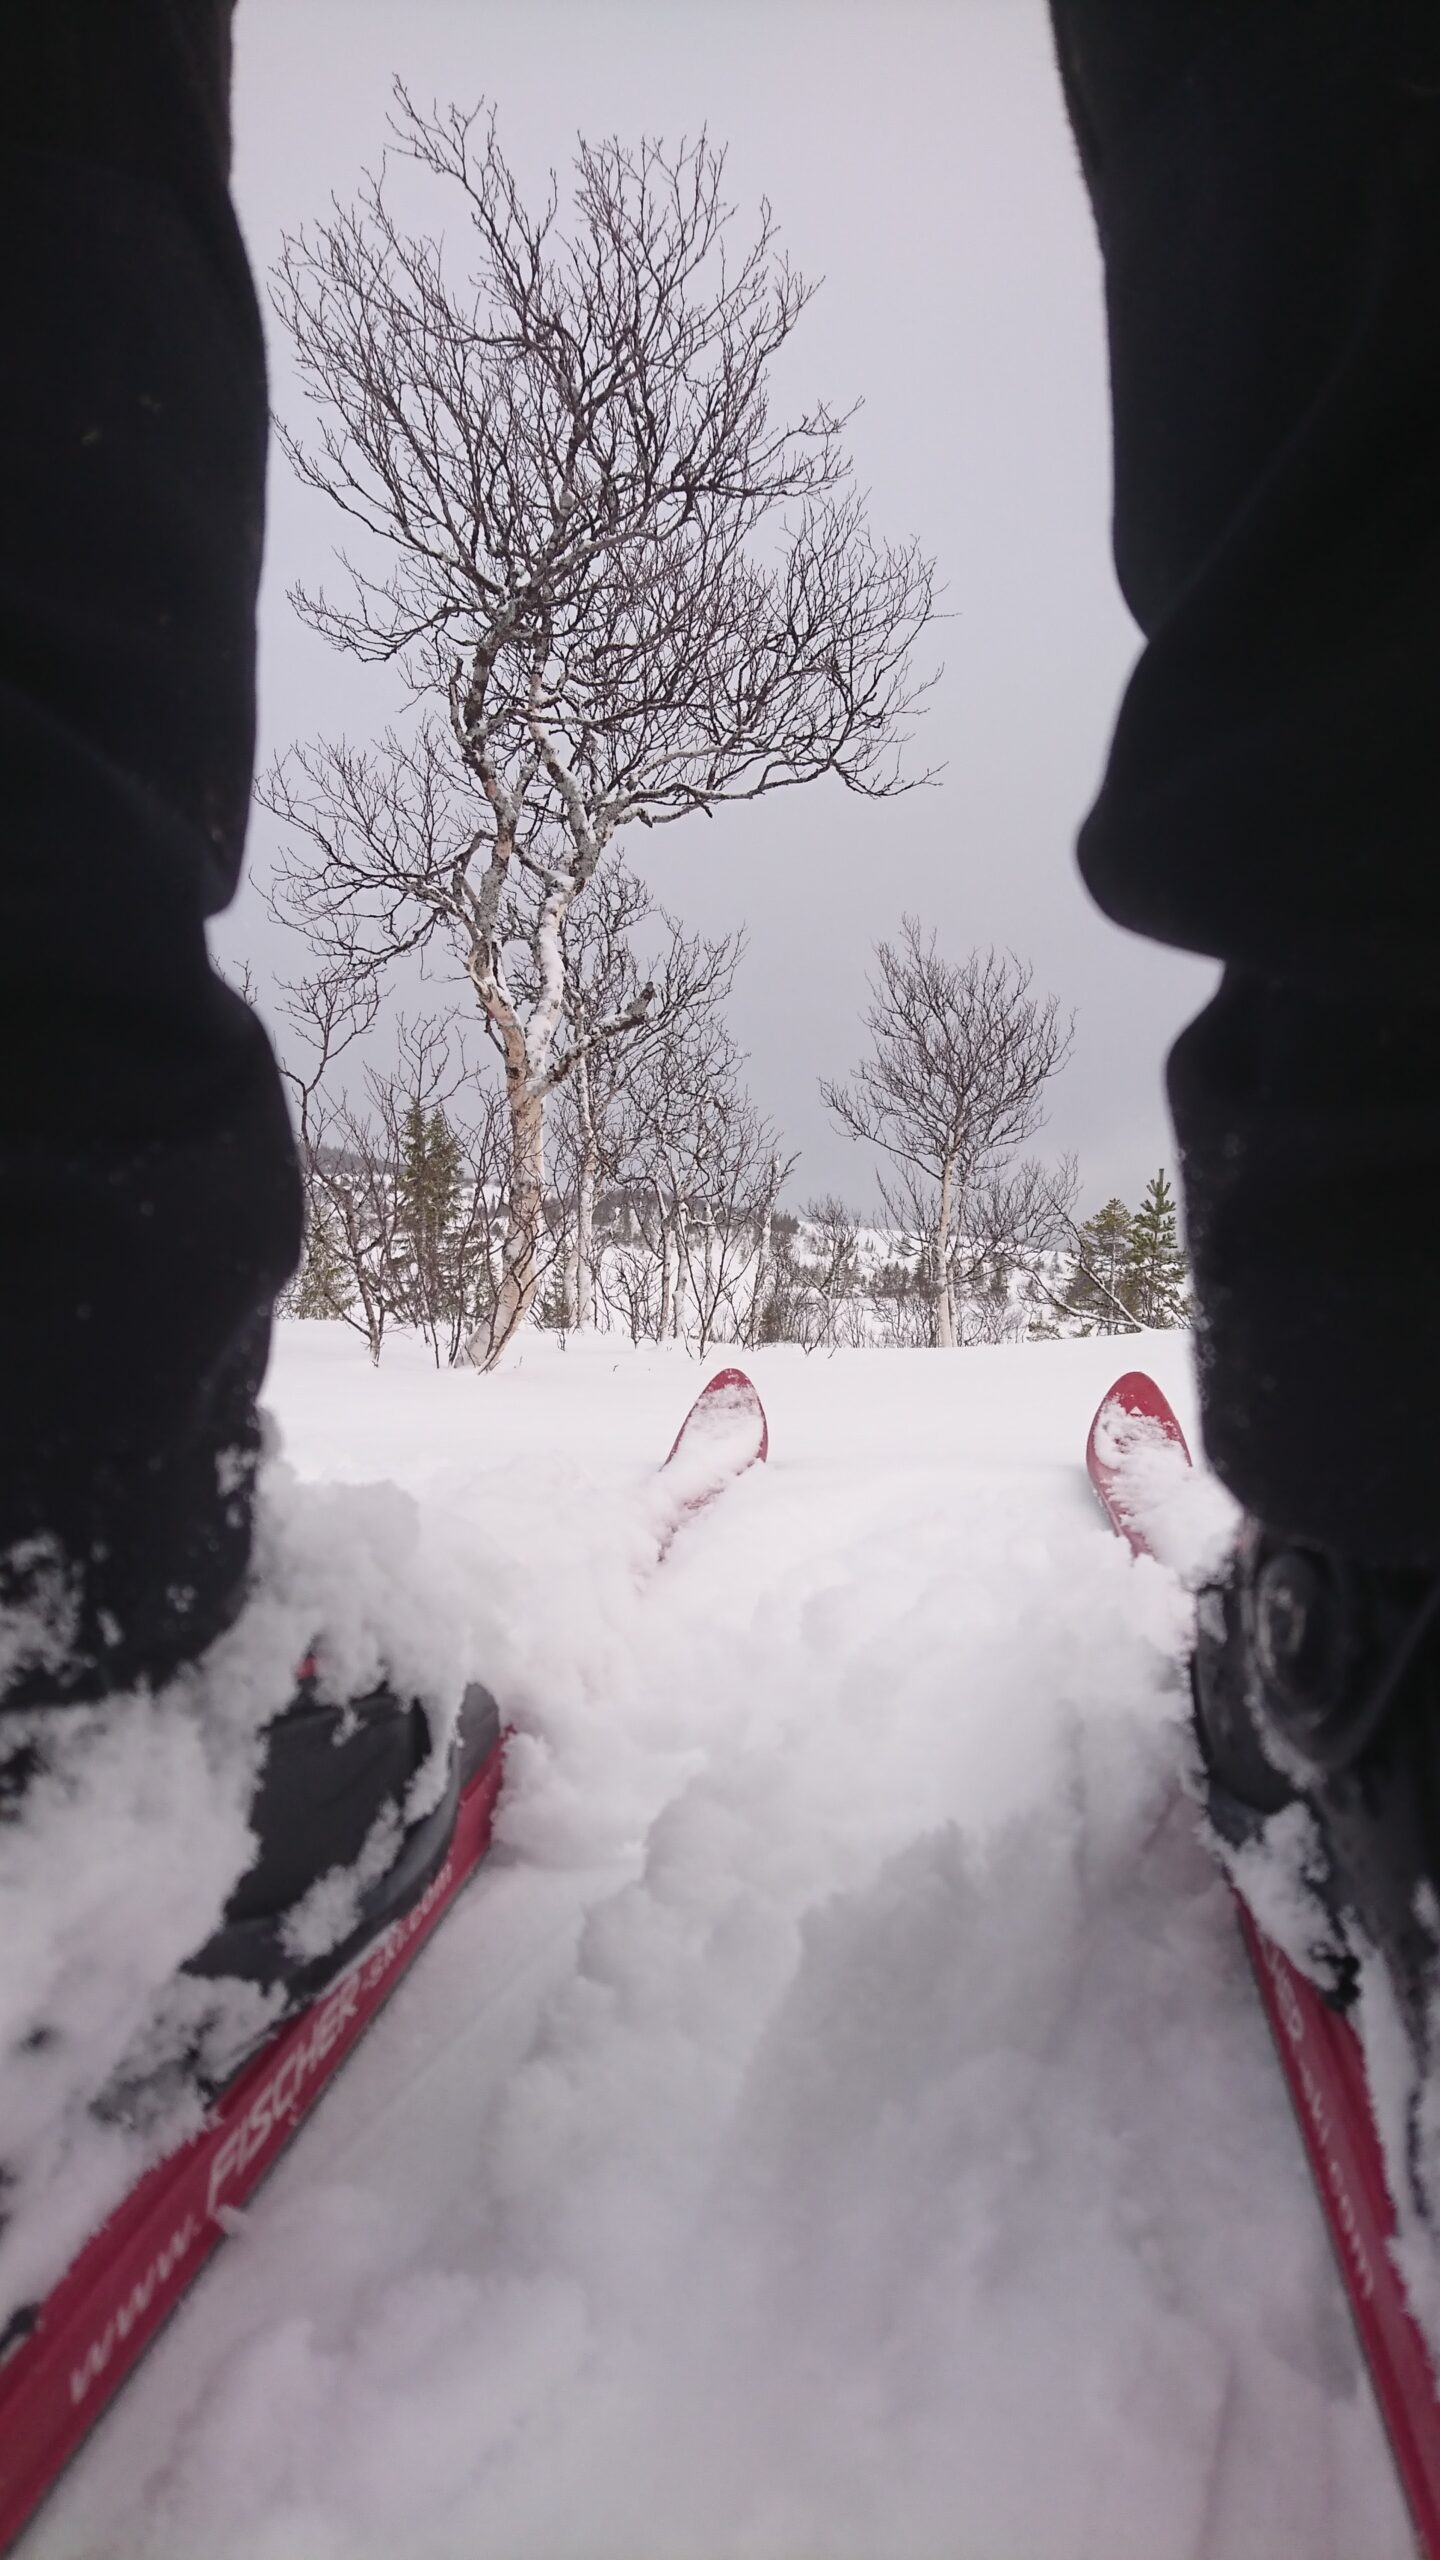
column 527, row 1048
column 677, row 1302
column 667, row 1282
column 761, row 1280
column 763, row 1252
column 585, row 1292
column 524, row 1230
column 944, row 1293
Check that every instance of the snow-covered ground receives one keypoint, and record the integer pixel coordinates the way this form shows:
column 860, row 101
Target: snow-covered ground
column 837, row 2124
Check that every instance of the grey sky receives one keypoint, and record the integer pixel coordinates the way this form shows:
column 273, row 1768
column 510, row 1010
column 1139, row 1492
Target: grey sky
column 916, row 156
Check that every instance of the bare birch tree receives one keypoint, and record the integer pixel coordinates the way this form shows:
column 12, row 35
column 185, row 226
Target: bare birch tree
column 351, row 1189
column 400, row 1193
column 709, row 1167
column 728, row 1206
column 832, row 1267
column 610, row 976
column 625, row 590
column 953, row 1087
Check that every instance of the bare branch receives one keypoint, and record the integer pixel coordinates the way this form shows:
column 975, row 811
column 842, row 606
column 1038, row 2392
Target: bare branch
column 624, row 588
column 952, row 1088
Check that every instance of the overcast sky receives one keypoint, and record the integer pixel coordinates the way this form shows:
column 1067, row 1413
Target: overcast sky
column 917, row 158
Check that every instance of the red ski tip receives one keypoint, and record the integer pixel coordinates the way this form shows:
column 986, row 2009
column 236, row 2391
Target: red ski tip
column 723, row 1435
column 1135, row 1408
column 727, row 1401
column 1135, row 1398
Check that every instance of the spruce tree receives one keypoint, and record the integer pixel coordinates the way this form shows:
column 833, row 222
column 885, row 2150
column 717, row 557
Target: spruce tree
column 322, row 1286
column 429, row 1190
column 1098, row 1287
column 1154, row 1278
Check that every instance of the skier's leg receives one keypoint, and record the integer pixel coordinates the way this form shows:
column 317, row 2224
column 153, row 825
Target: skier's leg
column 151, row 1197
column 151, row 1192
column 1266, row 181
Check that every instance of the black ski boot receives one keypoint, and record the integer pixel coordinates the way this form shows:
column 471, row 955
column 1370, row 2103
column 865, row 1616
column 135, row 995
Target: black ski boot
column 343, row 1850
column 1316, row 1685
column 341, row 1855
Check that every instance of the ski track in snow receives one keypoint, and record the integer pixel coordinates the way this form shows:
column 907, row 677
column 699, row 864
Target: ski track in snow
column 837, row 2124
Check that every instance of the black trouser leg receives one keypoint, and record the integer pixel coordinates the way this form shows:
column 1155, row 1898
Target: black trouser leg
column 151, row 1202
column 1266, row 183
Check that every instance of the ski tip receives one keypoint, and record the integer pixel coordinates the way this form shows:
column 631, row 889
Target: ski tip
column 1137, row 1392
column 727, row 1399
column 1135, row 1397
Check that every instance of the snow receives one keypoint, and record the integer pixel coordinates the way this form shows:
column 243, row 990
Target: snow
column 837, row 2124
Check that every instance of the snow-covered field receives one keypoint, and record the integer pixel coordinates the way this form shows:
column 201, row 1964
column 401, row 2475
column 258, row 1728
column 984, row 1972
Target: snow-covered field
column 837, row 2124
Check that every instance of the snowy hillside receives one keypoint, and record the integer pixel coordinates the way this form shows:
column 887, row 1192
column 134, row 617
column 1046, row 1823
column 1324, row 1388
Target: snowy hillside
column 837, row 2124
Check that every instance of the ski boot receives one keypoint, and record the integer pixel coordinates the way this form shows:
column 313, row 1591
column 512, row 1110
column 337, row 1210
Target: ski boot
column 352, row 1824
column 340, row 1857
column 346, row 1844
column 1316, row 1685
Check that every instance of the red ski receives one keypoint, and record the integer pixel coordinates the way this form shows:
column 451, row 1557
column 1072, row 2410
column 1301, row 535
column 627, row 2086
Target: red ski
column 723, row 1435
column 96, row 2324
column 1323, row 2064
column 64, row 2368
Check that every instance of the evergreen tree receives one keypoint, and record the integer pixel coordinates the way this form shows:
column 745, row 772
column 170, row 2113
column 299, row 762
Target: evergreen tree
column 322, row 1286
column 1098, row 1287
column 430, row 1176
column 551, row 1311
column 1154, row 1285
